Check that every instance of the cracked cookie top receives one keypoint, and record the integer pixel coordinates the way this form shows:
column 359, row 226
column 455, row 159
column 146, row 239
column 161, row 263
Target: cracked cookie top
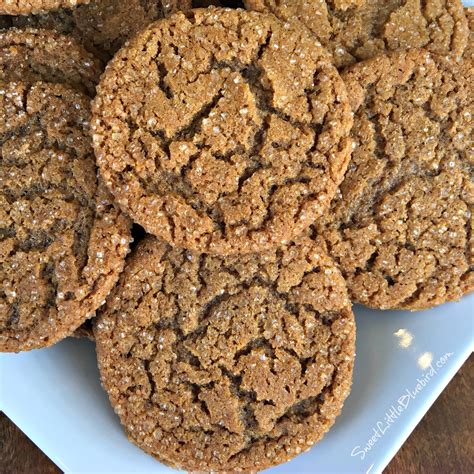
column 217, row 3
column 22, row 7
column 230, row 363
column 102, row 26
column 401, row 227
column 62, row 242
column 31, row 55
column 223, row 131
column 354, row 30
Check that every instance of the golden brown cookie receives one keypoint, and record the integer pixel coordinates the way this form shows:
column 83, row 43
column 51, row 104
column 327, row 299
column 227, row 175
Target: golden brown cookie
column 401, row 228
column 41, row 55
column 102, row 26
column 227, row 364
column 354, row 30
column 63, row 243
column 22, row 7
column 225, row 131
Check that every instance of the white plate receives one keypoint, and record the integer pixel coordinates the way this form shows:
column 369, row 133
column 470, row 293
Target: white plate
column 54, row 396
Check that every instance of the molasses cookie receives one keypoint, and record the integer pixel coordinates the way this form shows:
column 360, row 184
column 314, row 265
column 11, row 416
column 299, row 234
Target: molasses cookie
column 227, row 363
column 63, row 243
column 102, row 26
column 41, row 55
column 354, row 30
column 223, row 131
column 401, row 228
column 23, row 7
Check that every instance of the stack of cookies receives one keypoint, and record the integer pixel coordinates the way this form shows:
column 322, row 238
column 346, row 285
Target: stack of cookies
column 270, row 165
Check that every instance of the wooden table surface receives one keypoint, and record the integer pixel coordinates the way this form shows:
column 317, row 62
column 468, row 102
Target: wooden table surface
column 442, row 442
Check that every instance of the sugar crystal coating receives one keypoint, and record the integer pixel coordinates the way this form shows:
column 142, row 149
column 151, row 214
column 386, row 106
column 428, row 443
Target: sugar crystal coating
column 355, row 30
column 61, row 238
column 102, row 26
column 22, row 7
column 41, row 55
column 227, row 363
column 469, row 53
column 222, row 131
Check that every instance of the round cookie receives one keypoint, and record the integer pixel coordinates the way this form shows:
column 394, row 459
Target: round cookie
column 63, row 243
column 354, row 30
column 102, row 26
column 22, row 7
column 401, row 228
column 227, row 364
column 224, row 131
column 40, row 55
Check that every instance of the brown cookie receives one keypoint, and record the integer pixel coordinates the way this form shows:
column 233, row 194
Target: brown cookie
column 22, row 7
column 102, row 26
column 230, row 364
column 225, row 131
column 41, row 55
column 469, row 53
column 401, row 228
column 354, row 30
column 63, row 243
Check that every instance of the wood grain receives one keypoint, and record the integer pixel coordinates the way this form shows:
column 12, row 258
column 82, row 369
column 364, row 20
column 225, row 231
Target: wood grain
column 442, row 442
column 18, row 455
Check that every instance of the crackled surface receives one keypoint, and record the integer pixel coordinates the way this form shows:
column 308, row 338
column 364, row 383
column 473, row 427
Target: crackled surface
column 354, row 30
column 469, row 53
column 41, row 55
column 62, row 242
column 22, row 7
column 401, row 229
column 102, row 26
column 224, row 131
column 227, row 363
